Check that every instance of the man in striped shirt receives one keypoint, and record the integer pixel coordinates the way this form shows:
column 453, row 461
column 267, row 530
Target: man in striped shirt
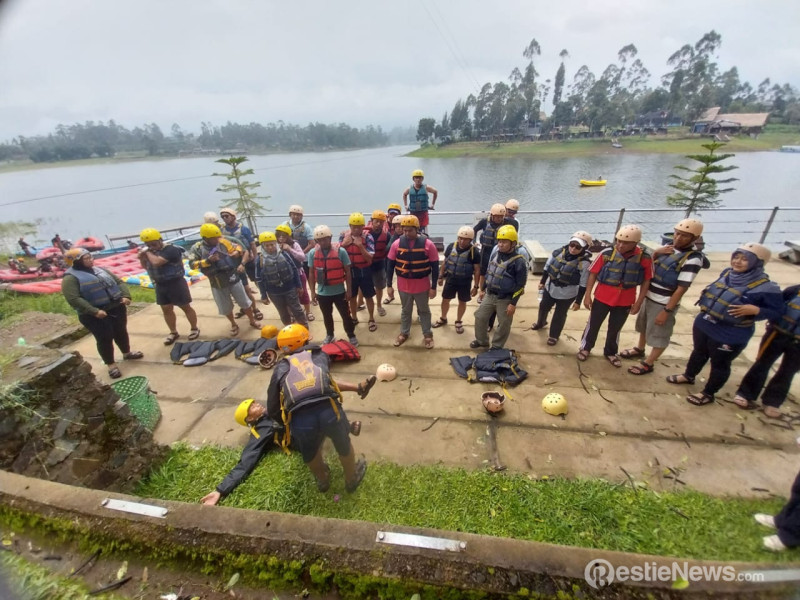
column 675, row 267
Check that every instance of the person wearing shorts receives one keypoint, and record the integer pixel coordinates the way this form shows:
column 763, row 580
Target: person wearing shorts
column 381, row 234
column 164, row 264
column 460, row 276
column 360, row 247
column 417, row 201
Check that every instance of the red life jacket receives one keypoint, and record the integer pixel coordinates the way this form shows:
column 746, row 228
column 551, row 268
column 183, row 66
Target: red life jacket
column 328, row 268
column 356, row 257
column 341, row 350
column 381, row 242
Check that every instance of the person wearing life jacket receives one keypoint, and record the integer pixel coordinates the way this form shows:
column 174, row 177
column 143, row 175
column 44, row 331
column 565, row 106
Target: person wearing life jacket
column 331, row 282
column 219, row 259
column 303, row 396
column 487, row 229
column 283, row 234
column 563, row 283
column 782, row 339
column 381, row 235
column 419, row 198
column 360, row 246
column 302, row 233
column 164, row 263
column 729, row 308
column 100, row 298
column 512, row 208
column 500, row 290
column 278, row 279
column 619, row 272
column 675, row 267
column 415, row 260
column 396, row 229
column 460, row 275
column 233, row 229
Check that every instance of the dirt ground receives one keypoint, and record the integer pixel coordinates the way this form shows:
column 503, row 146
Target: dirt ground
column 33, row 327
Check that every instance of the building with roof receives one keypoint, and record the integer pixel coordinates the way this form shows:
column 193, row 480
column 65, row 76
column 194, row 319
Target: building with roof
column 713, row 122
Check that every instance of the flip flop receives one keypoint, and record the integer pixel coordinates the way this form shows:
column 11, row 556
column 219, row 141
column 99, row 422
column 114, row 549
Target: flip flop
column 194, row 334
column 311, row 317
column 234, row 331
column 373, row 326
column 381, row 311
column 365, row 386
column 428, row 342
column 389, row 300
column 744, row 403
column 170, row 339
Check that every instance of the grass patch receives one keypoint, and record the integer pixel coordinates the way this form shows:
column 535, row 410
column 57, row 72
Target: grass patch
column 30, row 581
column 588, row 513
column 13, row 303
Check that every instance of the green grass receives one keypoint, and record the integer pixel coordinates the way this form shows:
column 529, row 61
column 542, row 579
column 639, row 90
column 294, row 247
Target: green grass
column 773, row 138
column 13, row 303
column 588, row 513
column 33, row 582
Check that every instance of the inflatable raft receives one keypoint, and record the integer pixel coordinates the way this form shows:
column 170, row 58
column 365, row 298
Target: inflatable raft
column 592, row 182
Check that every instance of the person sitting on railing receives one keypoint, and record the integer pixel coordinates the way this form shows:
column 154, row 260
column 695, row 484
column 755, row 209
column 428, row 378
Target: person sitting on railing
column 416, row 200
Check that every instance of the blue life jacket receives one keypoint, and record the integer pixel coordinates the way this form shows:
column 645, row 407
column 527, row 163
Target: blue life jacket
column 458, row 265
column 237, row 235
column 417, row 198
column 98, row 288
column 307, row 382
column 563, row 272
column 718, row 297
column 618, row 271
column 489, row 234
column 299, row 234
column 166, row 272
column 499, row 278
column 668, row 267
column 412, row 263
column 276, row 269
column 789, row 323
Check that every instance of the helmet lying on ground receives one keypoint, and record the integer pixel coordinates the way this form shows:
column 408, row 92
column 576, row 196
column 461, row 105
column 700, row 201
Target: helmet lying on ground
column 493, row 402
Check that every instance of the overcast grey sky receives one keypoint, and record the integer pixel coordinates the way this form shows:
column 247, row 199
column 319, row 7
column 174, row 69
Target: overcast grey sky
column 353, row 61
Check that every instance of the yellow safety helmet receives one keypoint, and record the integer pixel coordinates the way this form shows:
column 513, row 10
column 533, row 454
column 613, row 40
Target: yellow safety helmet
column 555, row 404
column 378, row 215
column 584, row 235
column 629, row 233
column 269, row 331
column 241, row 412
column 417, row 173
column 266, row 236
column 209, row 230
column 284, row 228
column 497, row 209
column 759, row 250
column 150, row 235
column 394, row 207
column 507, row 232
column 74, row 254
column 410, row 221
column 466, row 232
column 322, row 231
column 296, row 208
column 692, row 226
column 356, row 219
column 292, row 337
column 512, row 204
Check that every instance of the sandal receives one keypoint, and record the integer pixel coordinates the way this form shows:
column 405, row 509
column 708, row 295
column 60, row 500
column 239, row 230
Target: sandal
column 400, row 339
column 355, row 428
column 365, row 386
column 255, row 325
column 680, row 378
column 642, row 368
column 614, row 360
column 355, row 321
column 194, row 334
column 361, row 470
column 323, row 485
column 744, row 403
column 373, row 326
column 234, row 331
column 170, row 339
column 311, row 317
column 700, row 399
column 459, row 327
column 389, row 300
column 239, row 314
column 772, row 412
column 315, row 302
column 381, row 311
column 537, row 327
column 114, row 373
column 632, row 352
column 440, row 322
column 583, row 355
column 428, row 341
column 552, row 341
column 258, row 314
column 136, row 355
column 477, row 344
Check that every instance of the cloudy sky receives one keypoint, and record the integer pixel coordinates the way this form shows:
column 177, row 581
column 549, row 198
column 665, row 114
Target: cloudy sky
column 354, row 61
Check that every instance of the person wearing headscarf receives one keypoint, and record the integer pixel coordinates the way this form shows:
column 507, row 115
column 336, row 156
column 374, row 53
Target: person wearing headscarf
column 729, row 308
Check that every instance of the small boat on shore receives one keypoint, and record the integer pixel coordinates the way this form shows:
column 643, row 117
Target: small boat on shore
column 592, row 182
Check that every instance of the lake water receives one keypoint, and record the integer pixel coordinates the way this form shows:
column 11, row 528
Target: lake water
column 120, row 198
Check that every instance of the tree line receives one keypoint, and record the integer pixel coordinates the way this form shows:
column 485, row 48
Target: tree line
column 613, row 100
column 99, row 139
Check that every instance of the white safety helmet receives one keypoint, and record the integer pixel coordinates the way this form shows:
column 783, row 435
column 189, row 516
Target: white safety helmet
column 493, row 402
column 629, row 233
column 759, row 250
column 386, row 372
column 512, row 204
column 296, row 208
column 322, row 231
column 211, row 217
column 466, row 232
column 692, row 226
column 498, row 209
column 584, row 235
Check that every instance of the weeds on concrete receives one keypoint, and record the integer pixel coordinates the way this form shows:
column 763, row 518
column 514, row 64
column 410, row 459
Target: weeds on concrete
column 581, row 512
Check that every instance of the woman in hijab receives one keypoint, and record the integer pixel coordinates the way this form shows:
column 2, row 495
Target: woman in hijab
column 100, row 298
column 563, row 283
column 729, row 308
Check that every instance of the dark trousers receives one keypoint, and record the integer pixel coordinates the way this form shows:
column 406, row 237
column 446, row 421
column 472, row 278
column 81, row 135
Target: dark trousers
column 559, row 316
column 721, row 355
column 617, row 315
column 326, row 304
column 788, row 520
column 773, row 345
column 106, row 332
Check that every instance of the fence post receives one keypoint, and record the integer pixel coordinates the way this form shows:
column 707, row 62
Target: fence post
column 769, row 224
column 619, row 220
